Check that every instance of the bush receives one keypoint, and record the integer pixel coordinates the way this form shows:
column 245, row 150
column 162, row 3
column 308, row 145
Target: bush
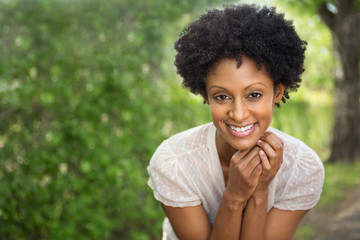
column 82, row 110
column 87, row 93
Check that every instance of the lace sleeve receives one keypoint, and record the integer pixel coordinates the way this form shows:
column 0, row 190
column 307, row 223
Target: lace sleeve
column 304, row 187
column 169, row 179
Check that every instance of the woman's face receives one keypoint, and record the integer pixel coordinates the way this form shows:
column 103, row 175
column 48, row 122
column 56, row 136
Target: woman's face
column 241, row 102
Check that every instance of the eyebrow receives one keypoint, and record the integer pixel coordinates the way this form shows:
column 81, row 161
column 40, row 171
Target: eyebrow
column 255, row 84
column 244, row 88
column 217, row 87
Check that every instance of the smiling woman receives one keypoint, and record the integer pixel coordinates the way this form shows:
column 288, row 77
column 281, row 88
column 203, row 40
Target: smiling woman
column 241, row 102
column 236, row 177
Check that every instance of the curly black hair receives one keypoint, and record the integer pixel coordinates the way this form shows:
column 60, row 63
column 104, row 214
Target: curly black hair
column 255, row 31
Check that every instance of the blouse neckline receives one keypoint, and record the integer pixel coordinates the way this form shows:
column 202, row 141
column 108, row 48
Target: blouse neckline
column 211, row 142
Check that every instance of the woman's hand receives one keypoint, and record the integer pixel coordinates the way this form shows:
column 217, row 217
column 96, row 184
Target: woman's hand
column 271, row 155
column 244, row 172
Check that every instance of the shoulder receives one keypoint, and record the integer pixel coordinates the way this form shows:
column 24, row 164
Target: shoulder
column 186, row 141
column 296, row 150
column 288, row 139
column 196, row 133
column 183, row 150
column 172, row 167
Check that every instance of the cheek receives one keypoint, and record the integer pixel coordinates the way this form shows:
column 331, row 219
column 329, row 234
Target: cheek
column 265, row 110
column 215, row 112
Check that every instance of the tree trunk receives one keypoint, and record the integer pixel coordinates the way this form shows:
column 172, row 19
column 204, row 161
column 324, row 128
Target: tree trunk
column 345, row 29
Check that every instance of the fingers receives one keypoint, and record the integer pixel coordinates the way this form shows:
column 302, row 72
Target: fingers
column 253, row 165
column 245, row 157
column 274, row 141
column 244, row 173
column 246, row 162
column 270, row 155
column 272, row 147
column 252, row 161
column 264, row 160
column 257, row 172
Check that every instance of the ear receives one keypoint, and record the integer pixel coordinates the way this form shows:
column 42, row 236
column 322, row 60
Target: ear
column 206, row 100
column 205, row 97
column 279, row 92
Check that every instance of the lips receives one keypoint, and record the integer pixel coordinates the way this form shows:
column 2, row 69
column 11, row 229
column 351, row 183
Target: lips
column 243, row 131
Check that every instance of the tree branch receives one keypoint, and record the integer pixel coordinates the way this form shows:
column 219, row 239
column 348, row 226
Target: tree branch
column 327, row 16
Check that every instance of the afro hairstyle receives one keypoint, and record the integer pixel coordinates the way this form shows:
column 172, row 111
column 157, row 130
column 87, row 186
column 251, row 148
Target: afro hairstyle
column 255, row 31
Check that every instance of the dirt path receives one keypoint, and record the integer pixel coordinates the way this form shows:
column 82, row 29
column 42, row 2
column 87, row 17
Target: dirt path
column 341, row 221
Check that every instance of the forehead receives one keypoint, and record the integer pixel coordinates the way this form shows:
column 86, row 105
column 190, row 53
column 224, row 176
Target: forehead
column 228, row 71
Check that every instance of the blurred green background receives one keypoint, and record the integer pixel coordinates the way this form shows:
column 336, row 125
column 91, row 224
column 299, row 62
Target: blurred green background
column 88, row 90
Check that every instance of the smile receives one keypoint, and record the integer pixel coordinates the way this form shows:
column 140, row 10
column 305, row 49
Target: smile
column 241, row 129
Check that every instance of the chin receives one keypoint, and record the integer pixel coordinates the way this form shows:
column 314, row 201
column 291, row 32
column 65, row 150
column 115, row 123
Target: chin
column 245, row 145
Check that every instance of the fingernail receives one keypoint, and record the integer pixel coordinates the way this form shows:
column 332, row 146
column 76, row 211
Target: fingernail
column 259, row 141
column 261, row 152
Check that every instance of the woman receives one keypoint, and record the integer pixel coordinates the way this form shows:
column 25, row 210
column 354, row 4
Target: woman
column 236, row 177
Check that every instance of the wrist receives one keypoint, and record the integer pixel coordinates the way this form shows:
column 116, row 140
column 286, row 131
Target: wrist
column 233, row 202
column 260, row 197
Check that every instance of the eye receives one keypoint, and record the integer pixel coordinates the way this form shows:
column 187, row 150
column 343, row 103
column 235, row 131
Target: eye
column 221, row 97
column 255, row 95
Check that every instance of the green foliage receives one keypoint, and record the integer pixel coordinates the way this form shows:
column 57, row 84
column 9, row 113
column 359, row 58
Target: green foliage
column 87, row 92
column 82, row 110
column 313, row 5
column 307, row 5
column 308, row 121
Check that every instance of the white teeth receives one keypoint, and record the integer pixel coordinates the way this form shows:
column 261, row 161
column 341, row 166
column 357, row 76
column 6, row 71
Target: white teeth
column 241, row 129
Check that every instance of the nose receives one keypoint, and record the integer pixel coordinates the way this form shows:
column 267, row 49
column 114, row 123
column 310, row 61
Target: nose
column 239, row 111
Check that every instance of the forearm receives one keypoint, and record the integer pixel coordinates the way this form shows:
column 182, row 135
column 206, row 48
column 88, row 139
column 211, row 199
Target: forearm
column 254, row 219
column 228, row 219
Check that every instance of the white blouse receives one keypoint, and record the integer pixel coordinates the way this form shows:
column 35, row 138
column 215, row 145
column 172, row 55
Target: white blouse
column 185, row 171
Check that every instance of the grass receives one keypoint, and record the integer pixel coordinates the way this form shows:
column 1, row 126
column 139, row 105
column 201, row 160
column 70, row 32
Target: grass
column 339, row 178
column 304, row 232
